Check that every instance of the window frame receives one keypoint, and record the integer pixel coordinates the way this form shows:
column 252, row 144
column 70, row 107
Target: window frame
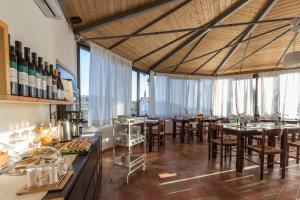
column 87, row 48
column 139, row 71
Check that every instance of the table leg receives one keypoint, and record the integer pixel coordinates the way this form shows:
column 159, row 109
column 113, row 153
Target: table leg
column 270, row 160
column 250, row 142
column 182, row 132
column 150, row 139
column 174, row 129
column 240, row 153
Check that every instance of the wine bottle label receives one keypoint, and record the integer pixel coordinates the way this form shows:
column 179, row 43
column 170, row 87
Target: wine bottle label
column 49, row 81
column 39, row 83
column 32, row 81
column 13, row 72
column 54, row 88
column 59, row 94
column 23, row 75
column 44, row 83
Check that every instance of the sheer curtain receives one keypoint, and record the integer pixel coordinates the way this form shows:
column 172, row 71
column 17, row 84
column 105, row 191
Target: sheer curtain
column 290, row 94
column 268, row 94
column 109, row 86
column 177, row 95
column 222, row 97
column 243, row 88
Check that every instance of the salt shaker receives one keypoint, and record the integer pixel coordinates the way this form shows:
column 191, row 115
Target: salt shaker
column 32, row 178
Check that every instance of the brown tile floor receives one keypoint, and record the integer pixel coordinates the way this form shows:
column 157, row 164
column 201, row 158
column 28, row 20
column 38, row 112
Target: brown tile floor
column 197, row 178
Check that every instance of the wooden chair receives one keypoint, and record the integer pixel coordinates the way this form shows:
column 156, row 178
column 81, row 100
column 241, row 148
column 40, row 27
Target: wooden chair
column 293, row 142
column 158, row 135
column 191, row 128
column 219, row 142
column 270, row 149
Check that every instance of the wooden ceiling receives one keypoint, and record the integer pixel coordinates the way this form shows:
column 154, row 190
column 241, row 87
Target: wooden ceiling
column 189, row 52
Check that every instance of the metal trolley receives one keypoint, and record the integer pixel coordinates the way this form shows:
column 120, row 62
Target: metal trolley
column 130, row 160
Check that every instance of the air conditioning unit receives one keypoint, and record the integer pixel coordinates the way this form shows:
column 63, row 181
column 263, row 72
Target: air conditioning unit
column 50, row 8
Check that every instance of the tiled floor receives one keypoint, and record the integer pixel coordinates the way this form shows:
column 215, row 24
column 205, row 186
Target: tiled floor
column 197, row 178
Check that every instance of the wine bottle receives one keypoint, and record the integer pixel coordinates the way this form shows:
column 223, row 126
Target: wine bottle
column 58, row 86
column 62, row 91
column 31, row 74
column 49, row 81
column 54, row 83
column 44, row 78
column 22, row 70
column 38, row 75
column 13, row 71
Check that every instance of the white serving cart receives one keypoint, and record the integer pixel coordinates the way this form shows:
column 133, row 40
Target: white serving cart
column 129, row 135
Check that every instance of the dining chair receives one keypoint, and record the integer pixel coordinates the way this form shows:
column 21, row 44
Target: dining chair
column 219, row 142
column 159, row 135
column 269, row 148
column 193, row 128
column 293, row 142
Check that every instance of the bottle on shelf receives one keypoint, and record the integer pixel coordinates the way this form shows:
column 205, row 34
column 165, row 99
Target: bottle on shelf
column 13, row 71
column 59, row 97
column 44, row 77
column 49, row 81
column 31, row 74
column 54, row 82
column 62, row 91
column 38, row 76
column 22, row 70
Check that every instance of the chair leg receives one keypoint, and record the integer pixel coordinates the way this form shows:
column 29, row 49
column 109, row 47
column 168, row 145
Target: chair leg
column 230, row 153
column 209, row 150
column 261, row 157
column 287, row 154
column 221, row 157
column 297, row 155
column 158, row 142
column 283, row 169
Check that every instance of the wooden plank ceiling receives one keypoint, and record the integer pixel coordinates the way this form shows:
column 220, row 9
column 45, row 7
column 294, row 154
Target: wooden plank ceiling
column 185, row 14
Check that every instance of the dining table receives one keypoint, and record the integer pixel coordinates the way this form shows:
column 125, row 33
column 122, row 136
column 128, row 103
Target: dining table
column 150, row 123
column 250, row 130
column 183, row 120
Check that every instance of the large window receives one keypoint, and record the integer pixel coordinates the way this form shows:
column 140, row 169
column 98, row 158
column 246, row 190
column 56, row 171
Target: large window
column 84, row 58
column 140, row 93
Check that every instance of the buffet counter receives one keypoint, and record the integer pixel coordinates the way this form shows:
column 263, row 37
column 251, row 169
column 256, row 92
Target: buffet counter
column 83, row 184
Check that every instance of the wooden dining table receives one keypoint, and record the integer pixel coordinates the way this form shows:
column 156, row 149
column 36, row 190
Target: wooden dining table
column 184, row 120
column 249, row 131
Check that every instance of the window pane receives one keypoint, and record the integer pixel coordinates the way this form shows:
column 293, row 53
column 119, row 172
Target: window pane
column 84, row 81
column 134, row 94
column 144, row 94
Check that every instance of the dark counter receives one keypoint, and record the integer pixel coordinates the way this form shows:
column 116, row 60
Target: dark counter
column 86, row 179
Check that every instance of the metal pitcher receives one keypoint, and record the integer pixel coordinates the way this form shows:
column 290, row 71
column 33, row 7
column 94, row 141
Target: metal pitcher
column 64, row 130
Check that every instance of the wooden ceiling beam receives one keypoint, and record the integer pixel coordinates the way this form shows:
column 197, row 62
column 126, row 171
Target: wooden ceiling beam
column 245, row 53
column 189, row 52
column 264, row 11
column 213, row 56
column 156, row 20
column 123, row 16
column 225, row 47
column 233, row 9
column 257, row 50
column 163, row 46
column 128, row 36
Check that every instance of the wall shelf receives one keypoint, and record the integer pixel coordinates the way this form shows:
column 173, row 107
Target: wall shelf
column 29, row 100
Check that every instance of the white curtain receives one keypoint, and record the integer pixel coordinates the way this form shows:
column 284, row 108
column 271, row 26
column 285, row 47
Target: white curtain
column 178, row 95
column 243, row 95
column 109, row 86
column 222, row 97
column 289, row 94
column 268, row 94
column 152, row 104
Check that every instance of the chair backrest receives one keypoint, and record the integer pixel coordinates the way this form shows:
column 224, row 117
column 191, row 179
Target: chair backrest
column 270, row 134
column 162, row 125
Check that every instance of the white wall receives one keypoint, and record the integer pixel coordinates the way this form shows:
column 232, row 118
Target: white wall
column 51, row 39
